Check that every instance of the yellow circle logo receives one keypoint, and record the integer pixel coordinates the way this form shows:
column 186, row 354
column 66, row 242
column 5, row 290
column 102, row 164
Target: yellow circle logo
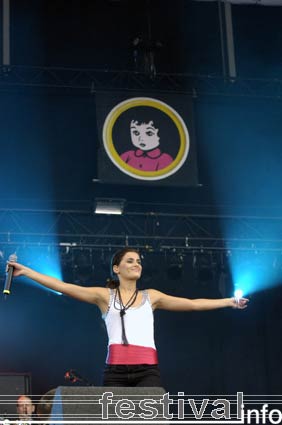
column 146, row 138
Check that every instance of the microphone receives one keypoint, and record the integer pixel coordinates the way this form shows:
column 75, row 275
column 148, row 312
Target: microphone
column 9, row 275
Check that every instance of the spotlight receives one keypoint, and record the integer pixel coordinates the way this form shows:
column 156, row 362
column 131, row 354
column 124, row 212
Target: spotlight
column 238, row 293
column 109, row 206
column 174, row 269
column 204, row 266
column 83, row 266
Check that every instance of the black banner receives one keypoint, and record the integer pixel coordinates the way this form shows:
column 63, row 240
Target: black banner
column 146, row 139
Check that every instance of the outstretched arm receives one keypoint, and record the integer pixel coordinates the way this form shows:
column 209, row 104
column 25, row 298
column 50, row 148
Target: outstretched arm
column 162, row 301
column 93, row 295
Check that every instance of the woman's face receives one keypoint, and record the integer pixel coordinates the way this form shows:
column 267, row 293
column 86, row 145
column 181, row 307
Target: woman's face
column 130, row 266
column 144, row 136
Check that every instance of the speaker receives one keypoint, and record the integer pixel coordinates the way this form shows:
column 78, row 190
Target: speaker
column 107, row 403
column 11, row 386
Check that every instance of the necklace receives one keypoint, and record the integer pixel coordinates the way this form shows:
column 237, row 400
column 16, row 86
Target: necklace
column 122, row 310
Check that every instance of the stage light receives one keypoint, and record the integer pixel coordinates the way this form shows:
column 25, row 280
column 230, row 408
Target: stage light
column 253, row 272
column 238, row 294
column 174, row 268
column 204, row 266
column 109, row 206
column 44, row 259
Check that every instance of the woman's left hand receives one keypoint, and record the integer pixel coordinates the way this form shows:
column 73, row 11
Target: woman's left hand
column 239, row 303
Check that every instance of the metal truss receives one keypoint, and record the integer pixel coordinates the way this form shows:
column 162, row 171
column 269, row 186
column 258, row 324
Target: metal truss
column 177, row 230
column 92, row 80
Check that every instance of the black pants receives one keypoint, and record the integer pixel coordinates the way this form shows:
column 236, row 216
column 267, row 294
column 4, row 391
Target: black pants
column 132, row 376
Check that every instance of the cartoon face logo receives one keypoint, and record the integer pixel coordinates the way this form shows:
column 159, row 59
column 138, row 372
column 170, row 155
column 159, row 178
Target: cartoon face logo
column 147, row 157
column 144, row 136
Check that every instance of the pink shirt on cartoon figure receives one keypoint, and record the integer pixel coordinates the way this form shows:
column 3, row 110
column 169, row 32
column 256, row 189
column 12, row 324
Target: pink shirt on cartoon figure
column 147, row 160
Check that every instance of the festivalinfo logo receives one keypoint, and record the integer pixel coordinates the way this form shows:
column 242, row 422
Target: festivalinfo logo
column 111, row 408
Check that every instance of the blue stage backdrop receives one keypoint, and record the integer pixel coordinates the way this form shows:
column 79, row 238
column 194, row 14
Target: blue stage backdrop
column 148, row 139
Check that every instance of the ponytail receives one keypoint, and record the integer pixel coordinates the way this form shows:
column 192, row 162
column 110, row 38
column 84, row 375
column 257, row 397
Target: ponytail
column 112, row 283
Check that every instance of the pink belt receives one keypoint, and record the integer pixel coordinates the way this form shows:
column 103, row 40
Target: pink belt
column 131, row 354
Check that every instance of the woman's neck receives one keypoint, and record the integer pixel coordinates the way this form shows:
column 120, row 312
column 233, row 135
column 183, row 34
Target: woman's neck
column 127, row 286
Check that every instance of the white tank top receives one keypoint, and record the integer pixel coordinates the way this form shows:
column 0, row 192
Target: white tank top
column 138, row 322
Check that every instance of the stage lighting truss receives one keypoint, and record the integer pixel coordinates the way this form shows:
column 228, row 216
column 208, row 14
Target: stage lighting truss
column 91, row 80
column 166, row 228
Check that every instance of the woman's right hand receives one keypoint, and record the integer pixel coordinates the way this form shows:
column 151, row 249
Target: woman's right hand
column 19, row 269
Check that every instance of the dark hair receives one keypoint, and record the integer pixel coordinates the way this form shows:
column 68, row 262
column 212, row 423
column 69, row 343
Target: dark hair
column 113, row 281
column 168, row 131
